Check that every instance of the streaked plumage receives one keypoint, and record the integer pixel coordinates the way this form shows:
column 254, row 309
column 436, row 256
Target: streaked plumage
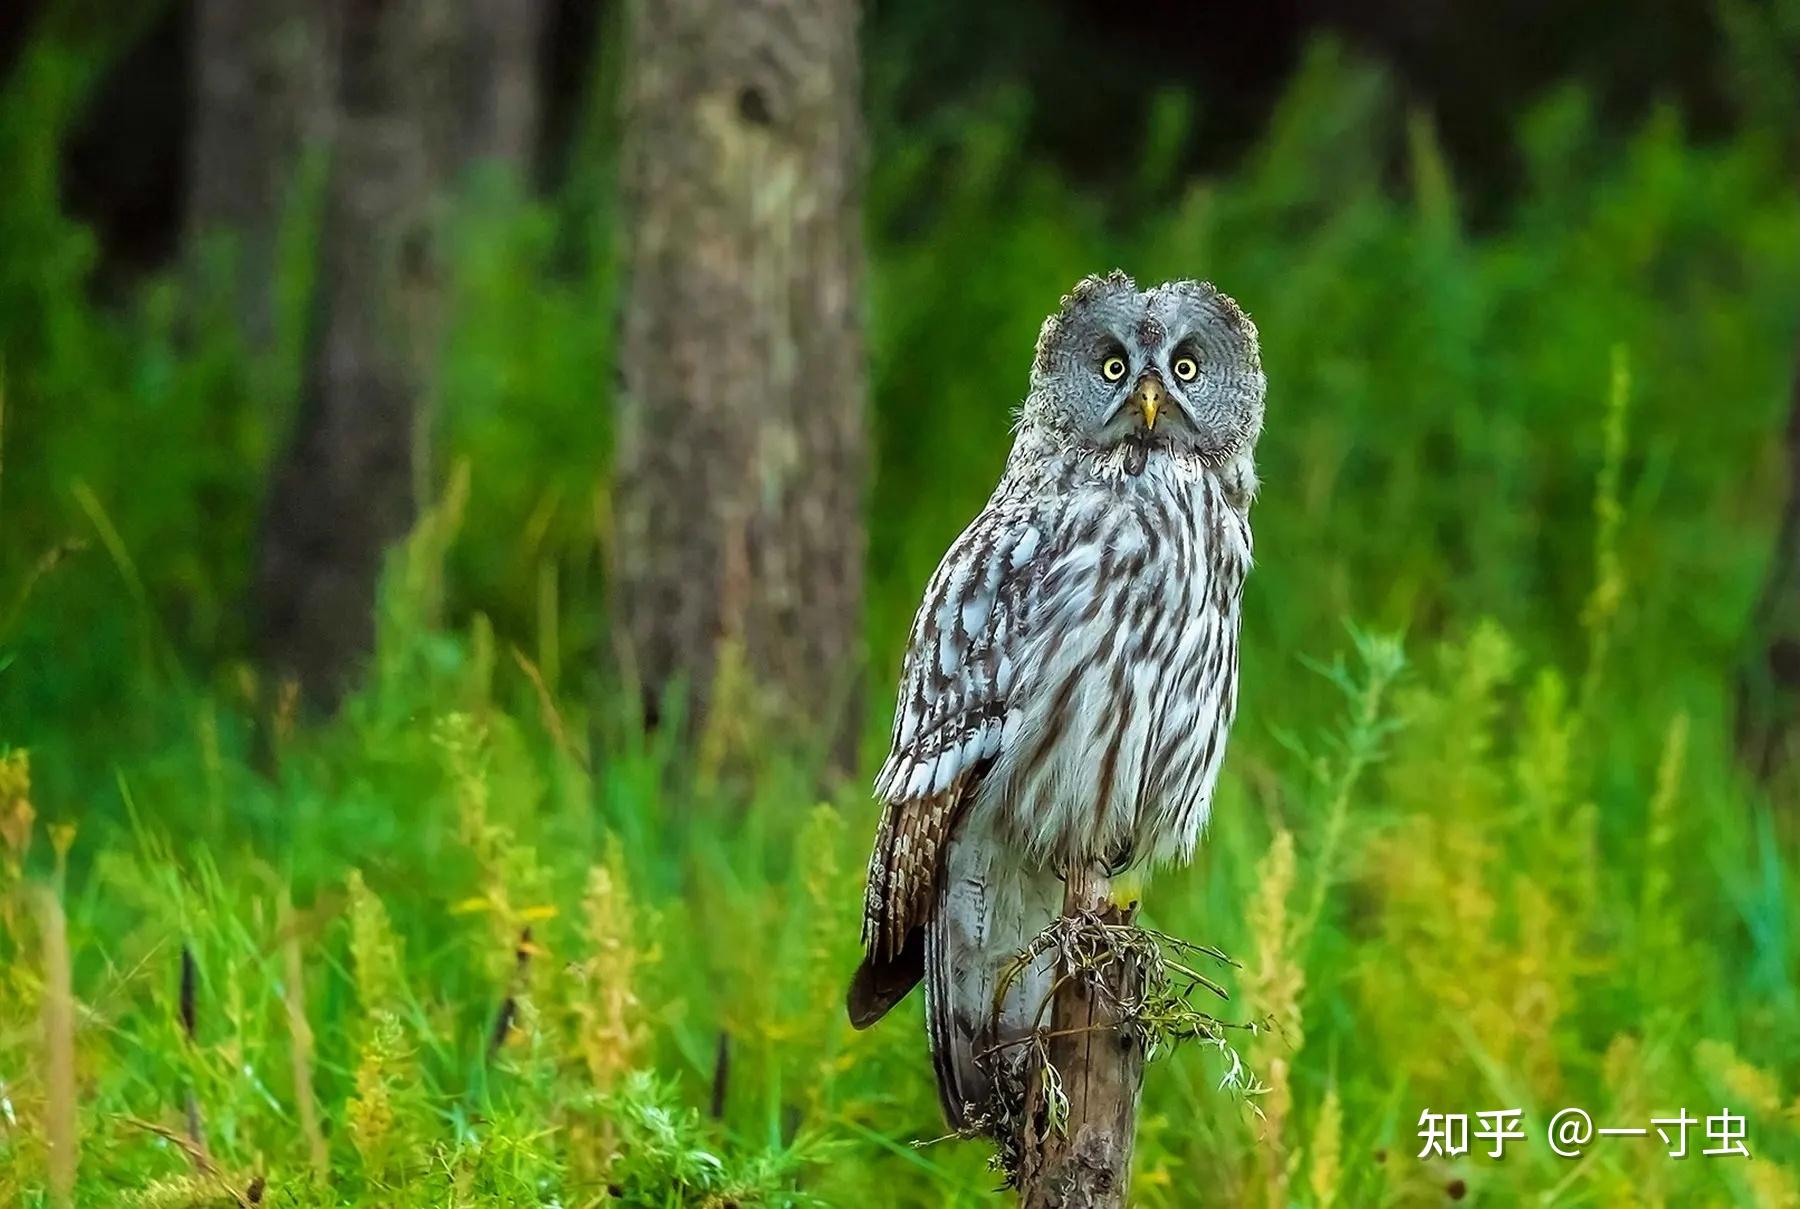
column 1072, row 670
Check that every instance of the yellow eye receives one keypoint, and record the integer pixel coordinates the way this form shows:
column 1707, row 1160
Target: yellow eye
column 1185, row 368
column 1113, row 368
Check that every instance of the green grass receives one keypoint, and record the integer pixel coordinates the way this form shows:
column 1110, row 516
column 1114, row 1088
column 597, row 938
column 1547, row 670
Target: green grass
column 1480, row 842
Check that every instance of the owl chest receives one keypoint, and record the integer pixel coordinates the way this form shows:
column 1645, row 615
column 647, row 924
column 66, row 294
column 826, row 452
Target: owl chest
column 1130, row 671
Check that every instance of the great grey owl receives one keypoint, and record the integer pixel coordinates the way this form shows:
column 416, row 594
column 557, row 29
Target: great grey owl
column 1072, row 671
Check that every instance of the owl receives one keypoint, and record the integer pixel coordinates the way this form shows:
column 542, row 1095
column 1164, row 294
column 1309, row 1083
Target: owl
column 1071, row 674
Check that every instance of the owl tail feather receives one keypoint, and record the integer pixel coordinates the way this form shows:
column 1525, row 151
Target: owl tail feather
column 956, row 1029
column 980, row 1002
column 880, row 983
column 977, row 1000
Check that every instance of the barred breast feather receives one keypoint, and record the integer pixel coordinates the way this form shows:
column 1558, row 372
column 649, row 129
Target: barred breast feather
column 1128, row 685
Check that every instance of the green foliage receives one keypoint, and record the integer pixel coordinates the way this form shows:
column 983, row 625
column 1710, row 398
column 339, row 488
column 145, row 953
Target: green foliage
column 523, row 953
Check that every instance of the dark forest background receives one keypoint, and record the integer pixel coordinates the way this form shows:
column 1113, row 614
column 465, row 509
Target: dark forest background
column 1090, row 69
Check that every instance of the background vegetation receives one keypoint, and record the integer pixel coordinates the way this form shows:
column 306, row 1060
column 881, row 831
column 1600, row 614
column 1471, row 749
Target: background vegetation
column 1480, row 843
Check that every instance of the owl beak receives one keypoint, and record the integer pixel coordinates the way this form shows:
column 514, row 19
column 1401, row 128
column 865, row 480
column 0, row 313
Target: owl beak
column 1149, row 398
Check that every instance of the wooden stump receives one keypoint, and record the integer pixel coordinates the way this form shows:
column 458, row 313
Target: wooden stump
column 1086, row 1165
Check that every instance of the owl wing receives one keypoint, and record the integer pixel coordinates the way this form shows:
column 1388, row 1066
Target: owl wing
column 952, row 711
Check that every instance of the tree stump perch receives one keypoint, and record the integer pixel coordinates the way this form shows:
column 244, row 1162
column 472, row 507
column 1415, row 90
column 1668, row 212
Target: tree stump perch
column 1100, row 1066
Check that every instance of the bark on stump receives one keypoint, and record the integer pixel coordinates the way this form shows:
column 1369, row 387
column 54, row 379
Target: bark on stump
column 1087, row 1165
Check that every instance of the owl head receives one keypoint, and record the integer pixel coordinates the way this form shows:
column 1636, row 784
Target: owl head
column 1175, row 366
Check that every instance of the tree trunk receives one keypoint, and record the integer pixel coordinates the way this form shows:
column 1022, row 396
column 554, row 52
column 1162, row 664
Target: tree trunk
column 1086, row 1165
column 347, row 488
column 422, row 86
column 500, row 122
column 264, row 71
column 1768, row 721
column 737, row 542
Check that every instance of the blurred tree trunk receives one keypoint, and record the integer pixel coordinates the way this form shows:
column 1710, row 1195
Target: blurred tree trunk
column 422, row 87
column 737, row 539
column 500, row 121
column 1768, row 721
column 348, row 486
column 263, row 76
